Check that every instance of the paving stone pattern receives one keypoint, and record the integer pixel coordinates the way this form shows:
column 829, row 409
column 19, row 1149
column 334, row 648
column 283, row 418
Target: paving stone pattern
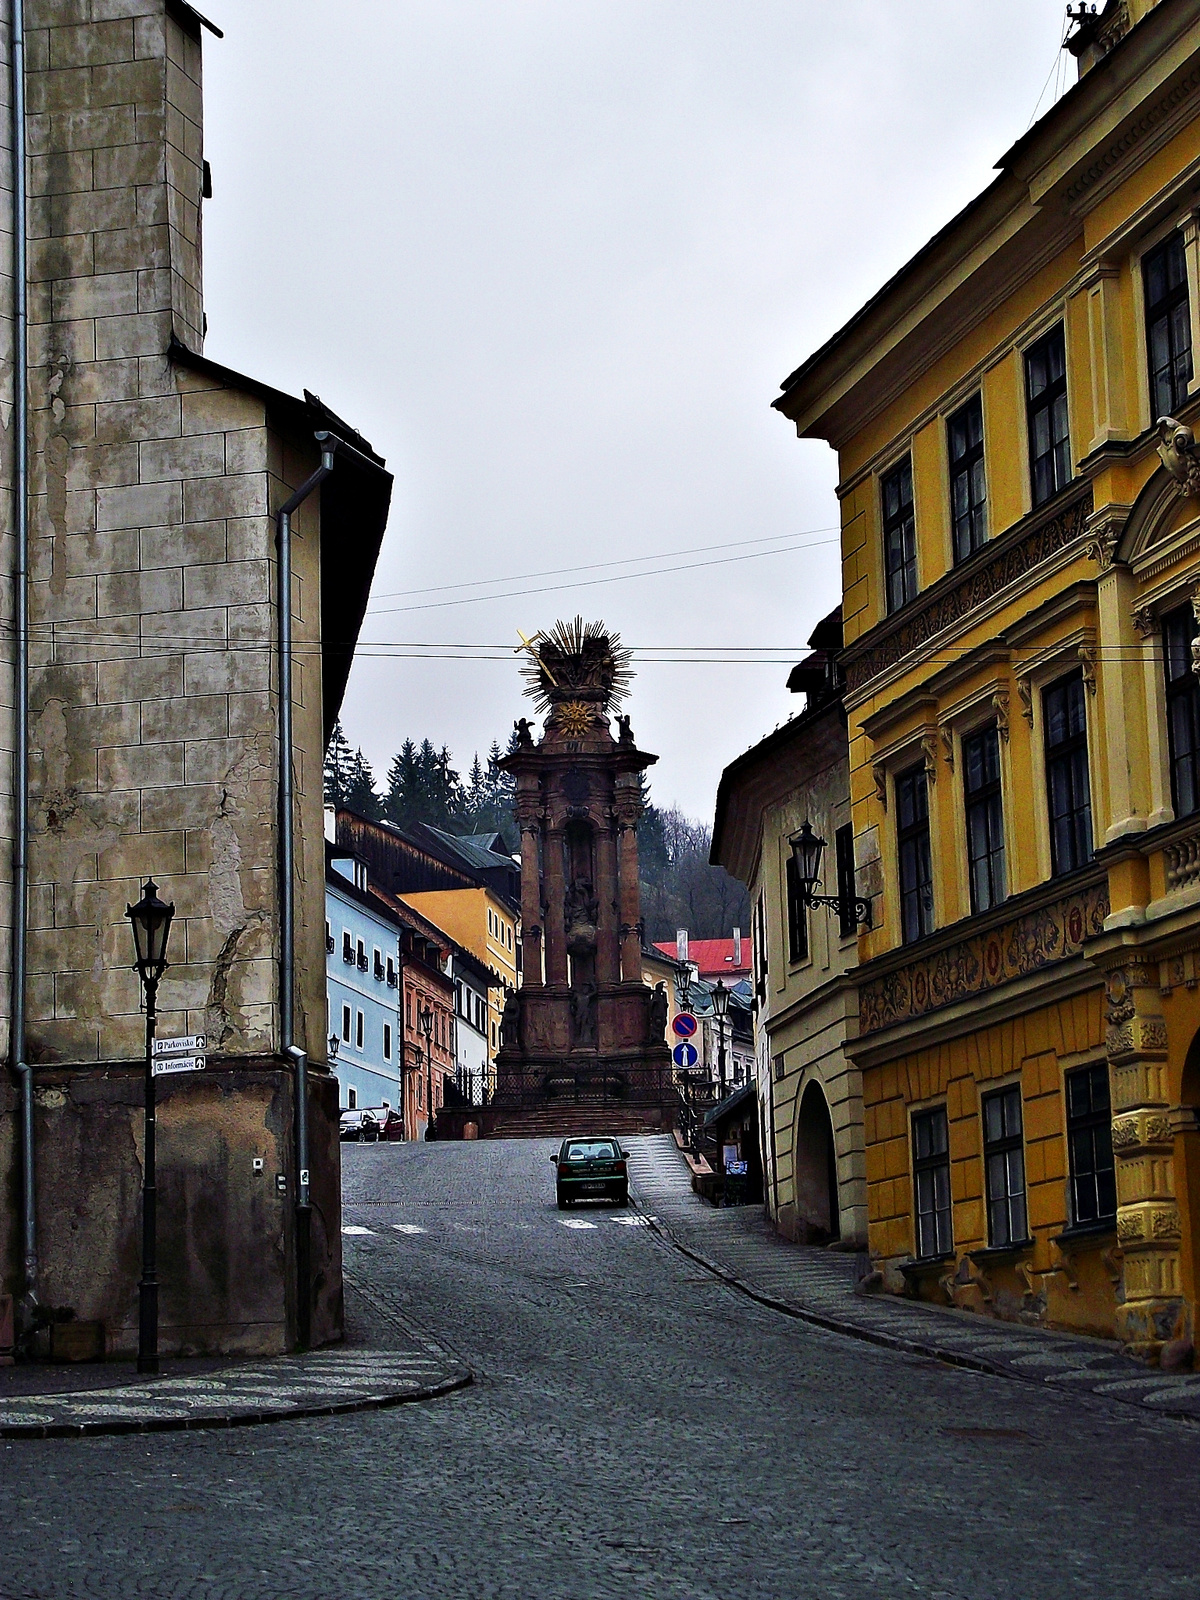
column 820, row 1285
column 319, row 1383
column 637, row 1427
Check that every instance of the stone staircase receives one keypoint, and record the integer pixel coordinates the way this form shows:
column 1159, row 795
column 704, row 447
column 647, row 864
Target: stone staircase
column 578, row 1122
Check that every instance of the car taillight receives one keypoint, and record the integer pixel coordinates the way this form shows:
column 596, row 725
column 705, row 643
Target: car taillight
column 621, row 1169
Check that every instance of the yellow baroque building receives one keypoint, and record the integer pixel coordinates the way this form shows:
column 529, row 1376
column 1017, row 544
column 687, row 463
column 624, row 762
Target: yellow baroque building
column 1020, row 491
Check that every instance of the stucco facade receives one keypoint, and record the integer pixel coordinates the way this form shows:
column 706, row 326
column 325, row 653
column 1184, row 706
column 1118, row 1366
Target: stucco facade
column 1020, row 581
column 809, row 1090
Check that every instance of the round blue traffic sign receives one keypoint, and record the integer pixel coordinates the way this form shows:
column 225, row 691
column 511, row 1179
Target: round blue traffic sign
column 684, row 1025
column 685, row 1055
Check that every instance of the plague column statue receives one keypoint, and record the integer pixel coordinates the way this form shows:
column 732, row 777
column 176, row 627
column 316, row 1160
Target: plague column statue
column 588, row 1031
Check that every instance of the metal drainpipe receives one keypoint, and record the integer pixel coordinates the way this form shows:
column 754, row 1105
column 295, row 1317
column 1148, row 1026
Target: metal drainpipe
column 287, row 891
column 20, row 855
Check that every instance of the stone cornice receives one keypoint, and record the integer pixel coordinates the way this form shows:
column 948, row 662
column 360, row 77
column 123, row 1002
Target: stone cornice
column 960, row 592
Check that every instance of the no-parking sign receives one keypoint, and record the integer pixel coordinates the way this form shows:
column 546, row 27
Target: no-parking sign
column 684, row 1025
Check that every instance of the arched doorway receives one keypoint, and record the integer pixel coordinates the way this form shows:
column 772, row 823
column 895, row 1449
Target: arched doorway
column 815, row 1165
column 1186, row 1121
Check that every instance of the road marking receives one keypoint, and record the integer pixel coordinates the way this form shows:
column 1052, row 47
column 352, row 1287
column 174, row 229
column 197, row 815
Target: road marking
column 575, row 1222
column 630, row 1222
column 407, row 1227
column 354, row 1228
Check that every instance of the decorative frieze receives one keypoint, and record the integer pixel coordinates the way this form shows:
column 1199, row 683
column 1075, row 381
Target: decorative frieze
column 954, row 597
column 984, row 960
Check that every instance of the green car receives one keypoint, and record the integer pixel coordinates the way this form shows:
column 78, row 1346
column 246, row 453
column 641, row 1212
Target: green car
column 591, row 1169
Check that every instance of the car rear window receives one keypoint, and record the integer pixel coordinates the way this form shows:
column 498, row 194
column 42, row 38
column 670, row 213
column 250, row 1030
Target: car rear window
column 593, row 1150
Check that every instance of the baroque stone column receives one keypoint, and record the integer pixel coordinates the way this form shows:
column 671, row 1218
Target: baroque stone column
column 628, row 809
column 556, row 942
column 608, row 951
column 531, row 905
column 1148, row 1222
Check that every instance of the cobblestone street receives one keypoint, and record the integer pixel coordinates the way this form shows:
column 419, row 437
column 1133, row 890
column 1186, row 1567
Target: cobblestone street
column 636, row 1426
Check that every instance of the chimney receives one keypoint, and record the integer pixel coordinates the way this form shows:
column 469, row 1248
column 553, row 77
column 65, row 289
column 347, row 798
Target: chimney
column 681, row 944
column 737, row 947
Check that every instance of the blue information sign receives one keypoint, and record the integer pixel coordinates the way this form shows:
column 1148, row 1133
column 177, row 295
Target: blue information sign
column 684, row 1025
column 685, row 1055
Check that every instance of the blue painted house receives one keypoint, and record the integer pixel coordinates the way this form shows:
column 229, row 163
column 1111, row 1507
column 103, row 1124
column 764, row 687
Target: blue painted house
column 362, row 963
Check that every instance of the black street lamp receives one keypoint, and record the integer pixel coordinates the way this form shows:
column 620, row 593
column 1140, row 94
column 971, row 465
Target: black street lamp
column 720, row 1005
column 427, row 1030
column 151, row 921
column 683, row 986
column 806, row 856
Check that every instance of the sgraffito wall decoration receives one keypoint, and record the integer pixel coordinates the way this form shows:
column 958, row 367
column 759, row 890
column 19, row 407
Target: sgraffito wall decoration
column 984, row 960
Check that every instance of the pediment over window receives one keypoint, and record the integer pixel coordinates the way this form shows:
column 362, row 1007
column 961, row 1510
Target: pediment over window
column 1162, row 521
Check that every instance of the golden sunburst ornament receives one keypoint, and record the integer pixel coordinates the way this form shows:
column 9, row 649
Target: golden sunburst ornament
column 575, row 718
column 576, row 663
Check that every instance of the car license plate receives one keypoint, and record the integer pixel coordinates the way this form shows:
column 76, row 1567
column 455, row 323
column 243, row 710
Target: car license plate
column 590, row 1186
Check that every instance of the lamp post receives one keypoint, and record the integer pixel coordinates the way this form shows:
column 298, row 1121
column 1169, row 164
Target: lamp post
column 427, row 1030
column 683, row 986
column 806, row 849
column 151, row 922
column 720, row 1004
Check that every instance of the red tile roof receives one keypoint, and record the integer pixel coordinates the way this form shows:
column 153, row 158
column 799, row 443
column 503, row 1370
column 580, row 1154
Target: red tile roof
column 714, row 957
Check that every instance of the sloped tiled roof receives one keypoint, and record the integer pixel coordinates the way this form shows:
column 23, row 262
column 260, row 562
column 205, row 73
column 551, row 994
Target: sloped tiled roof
column 714, row 957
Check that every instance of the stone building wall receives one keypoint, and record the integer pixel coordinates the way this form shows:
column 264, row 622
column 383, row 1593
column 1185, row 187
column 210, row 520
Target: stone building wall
column 154, row 714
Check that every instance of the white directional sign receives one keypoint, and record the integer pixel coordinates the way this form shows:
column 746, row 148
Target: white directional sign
column 188, row 1045
column 178, row 1064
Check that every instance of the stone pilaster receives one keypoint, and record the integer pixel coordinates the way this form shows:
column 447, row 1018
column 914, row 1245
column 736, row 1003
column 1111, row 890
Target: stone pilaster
column 1148, row 1222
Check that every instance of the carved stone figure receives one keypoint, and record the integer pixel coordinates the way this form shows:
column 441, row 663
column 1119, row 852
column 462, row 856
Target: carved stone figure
column 1177, row 452
column 524, row 731
column 656, row 1027
column 510, row 1021
column 583, row 1014
column 624, row 731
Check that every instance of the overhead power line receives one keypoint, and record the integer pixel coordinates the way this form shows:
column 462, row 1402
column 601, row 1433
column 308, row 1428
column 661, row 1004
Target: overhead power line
column 596, row 566
column 589, row 583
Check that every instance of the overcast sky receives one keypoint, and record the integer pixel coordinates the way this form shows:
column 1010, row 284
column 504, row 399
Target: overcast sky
column 554, row 258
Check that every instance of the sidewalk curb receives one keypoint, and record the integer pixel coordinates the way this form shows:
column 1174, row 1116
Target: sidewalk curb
column 229, row 1419
column 853, row 1330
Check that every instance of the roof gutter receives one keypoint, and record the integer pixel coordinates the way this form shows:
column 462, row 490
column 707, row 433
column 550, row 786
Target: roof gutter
column 297, row 1058
column 20, row 848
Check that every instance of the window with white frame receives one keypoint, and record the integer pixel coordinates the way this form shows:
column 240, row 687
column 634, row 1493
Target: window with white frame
column 1046, row 409
column 1168, row 326
column 912, row 847
column 1068, row 788
column 1004, row 1167
column 931, row 1182
column 985, row 817
column 899, row 535
column 968, row 482
column 1183, row 709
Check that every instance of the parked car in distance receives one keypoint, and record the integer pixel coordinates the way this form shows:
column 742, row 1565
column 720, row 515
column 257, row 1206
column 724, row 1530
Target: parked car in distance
column 591, row 1169
column 359, row 1125
column 391, row 1123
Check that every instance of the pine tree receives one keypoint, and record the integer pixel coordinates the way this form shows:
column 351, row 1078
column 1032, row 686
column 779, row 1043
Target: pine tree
column 339, row 760
column 361, row 794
